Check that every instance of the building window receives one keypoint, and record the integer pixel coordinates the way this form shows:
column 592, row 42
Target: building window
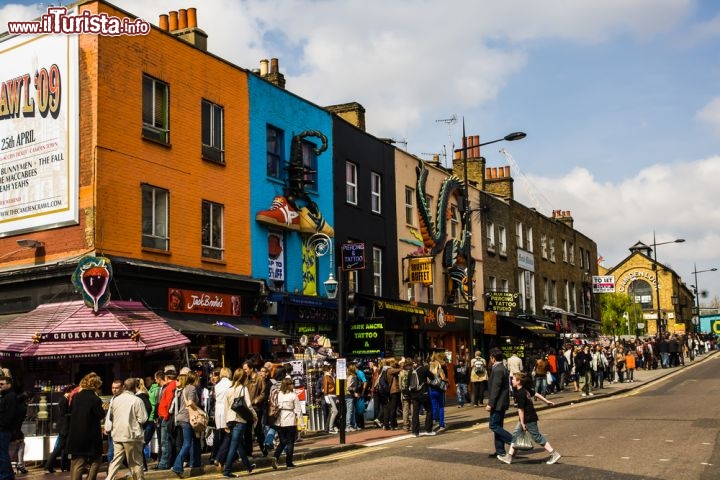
column 553, row 292
column 409, row 207
column 502, row 240
column 454, row 222
column 526, row 281
column 505, row 285
column 641, row 292
column 212, row 132
column 353, row 281
column 155, row 217
column 377, row 272
column 565, row 250
column 552, row 249
column 519, row 234
column 212, row 230
column 571, row 253
column 375, row 192
column 310, row 166
column 587, row 260
column 156, row 118
column 529, row 240
column 351, row 183
column 573, row 297
column 582, row 259
column 411, row 292
column 275, row 148
column 567, row 296
column 490, row 235
column 492, row 284
column 546, row 291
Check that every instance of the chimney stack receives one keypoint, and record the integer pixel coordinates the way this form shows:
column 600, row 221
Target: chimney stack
column 352, row 112
column 183, row 24
column 273, row 76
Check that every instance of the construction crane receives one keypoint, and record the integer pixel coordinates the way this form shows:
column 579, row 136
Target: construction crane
column 526, row 182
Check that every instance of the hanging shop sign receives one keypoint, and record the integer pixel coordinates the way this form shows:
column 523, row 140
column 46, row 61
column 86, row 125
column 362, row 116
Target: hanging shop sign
column 353, row 256
column 86, row 335
column 421, row 270
column 206, row 303
column 501, row 301
column 367, row 338
column 92, row 277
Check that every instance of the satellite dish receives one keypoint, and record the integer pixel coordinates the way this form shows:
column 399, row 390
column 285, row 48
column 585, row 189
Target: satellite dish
column 304, row 340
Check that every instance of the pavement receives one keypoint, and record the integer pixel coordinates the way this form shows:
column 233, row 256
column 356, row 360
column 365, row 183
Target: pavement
column 318, row 444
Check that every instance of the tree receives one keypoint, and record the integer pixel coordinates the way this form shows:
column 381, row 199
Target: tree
column 612, row 308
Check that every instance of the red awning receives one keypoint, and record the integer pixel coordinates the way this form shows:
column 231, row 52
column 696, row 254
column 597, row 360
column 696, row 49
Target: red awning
column 72, row 330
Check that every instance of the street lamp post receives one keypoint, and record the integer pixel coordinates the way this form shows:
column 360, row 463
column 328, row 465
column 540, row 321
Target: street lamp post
column 657, row 278
column 511, row 137
column 697, row 294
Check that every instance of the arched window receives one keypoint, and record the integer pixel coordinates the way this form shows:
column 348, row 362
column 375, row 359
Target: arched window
column 641, row 292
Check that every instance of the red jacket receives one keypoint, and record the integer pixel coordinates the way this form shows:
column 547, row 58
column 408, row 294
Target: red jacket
column 166, row 399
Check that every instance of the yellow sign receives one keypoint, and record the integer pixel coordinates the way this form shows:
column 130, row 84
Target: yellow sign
column 421, row 270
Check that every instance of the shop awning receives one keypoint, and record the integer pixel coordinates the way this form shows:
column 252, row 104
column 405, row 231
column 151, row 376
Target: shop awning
column 71, row 330
column 224, row 327
column 532, row 327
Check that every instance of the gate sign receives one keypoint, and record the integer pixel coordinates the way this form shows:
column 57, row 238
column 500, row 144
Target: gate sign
column 353, row 256
column 501, row 301
column 603, row 284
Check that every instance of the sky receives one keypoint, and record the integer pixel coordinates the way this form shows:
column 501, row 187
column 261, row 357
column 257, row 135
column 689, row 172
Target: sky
column 620, row 99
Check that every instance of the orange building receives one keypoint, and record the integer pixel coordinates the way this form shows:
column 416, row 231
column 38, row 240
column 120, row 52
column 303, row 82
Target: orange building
column 133, row 147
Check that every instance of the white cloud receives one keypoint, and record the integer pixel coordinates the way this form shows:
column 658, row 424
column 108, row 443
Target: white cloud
column 710, row 114
column 675, row 200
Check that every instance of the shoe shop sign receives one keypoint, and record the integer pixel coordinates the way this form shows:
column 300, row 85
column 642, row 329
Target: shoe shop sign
column 353, row 256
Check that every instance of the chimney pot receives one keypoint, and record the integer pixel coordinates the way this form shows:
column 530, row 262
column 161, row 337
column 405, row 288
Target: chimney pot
column 192, row 17
column 182, row 19
column 507, row 171
column 263, row 67
column 173, row 20
column 488, row 172
column 163, row 24
column 274, row 65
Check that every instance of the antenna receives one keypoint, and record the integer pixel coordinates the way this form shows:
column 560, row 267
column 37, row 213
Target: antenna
column 534, row 195
column 449, row 122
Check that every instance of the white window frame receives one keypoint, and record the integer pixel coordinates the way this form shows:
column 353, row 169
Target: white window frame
column 158, row 220
column 377, row 271
column 529, row 240
column 490, row 235
column 351, row 183
column 519, row 234
column 409, row 206
column 564, row 250
column 552, row 249
column 212, row 120
column 571, row 253
column 502, row 240
column 543, row 246
column 375, row 192
column 155, row 111
column 454, row 222
column 212, row 241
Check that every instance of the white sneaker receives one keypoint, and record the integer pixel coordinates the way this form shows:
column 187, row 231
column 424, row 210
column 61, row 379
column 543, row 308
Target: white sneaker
column 507, row 458
column 554, row 457
column 591, row 394
column 428, row 434
column 584, row 395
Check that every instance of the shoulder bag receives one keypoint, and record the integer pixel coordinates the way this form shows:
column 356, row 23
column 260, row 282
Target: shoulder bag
column 198, row 417
column 238, row 406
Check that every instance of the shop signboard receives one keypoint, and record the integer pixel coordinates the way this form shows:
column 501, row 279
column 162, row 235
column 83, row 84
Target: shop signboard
column 501, row 301
column 92, row 277
column 367, row 338
column 206, row 303
column 421, row 270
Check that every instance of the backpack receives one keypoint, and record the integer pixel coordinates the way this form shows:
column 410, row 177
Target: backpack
column 479, row 366
column 319, row 386
column 414, row 384
column 403, row 380
column 273, row 405
column 382, row 387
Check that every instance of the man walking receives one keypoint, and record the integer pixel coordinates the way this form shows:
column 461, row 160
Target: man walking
column 167, row 422
column 128, row 414
column 498, row 402
column 478, row 379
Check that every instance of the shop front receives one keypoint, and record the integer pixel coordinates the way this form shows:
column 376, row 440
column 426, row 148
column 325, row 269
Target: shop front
column 523, row 335
column 55, row 345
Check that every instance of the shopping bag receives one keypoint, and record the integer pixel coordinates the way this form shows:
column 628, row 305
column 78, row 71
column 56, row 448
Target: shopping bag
column 360, row 406
column 549, row 377
column 370, row 409
column 523, row 441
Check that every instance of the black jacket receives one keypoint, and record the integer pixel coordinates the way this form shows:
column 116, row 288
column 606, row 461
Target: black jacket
column 424, row 376
column 84, row 434
column 499, row 387
column 8, row 411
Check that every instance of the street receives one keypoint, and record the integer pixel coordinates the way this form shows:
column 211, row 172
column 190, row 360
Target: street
column 666, row 430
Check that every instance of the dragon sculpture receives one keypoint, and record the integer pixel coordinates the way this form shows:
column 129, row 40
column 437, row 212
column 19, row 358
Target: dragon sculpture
column 456, row 258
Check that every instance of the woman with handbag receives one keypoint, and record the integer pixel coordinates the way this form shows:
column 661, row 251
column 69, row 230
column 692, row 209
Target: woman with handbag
column 187, row 400
column 238, row 411
column 290, row 414
column 527, row 420
column 437, row 389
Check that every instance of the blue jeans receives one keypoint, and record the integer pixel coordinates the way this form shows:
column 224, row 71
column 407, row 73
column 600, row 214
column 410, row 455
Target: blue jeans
column 502, row 436
column 437, row 400
column 6, row 471
column 349, row 412
column 236, row 447
column 461, row 393
column 533, row 430
column 190, row 446
column 111, row 449
column 541, row 384
column 167, row 440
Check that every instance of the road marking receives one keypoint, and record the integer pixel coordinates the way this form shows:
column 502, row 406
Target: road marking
column 636, row 439
column 589, row 455
column 669, row 441
column 625, row 458
column 664, row 459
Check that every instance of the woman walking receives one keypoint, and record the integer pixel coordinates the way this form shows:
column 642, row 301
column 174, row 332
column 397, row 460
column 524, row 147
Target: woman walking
column 236, row 425
column 437, row 394
column 290, row 414
column 187, row 399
